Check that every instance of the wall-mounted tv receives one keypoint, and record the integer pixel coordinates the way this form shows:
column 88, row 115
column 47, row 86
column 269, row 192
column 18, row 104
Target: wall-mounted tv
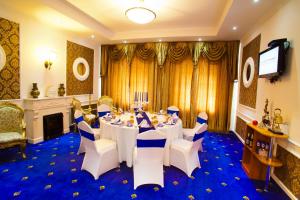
column 271, row 62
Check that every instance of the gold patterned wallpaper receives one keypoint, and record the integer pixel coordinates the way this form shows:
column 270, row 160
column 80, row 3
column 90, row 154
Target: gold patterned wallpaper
column 289, row 173
column 10, row 73
column 241, row 127
column 75, row 86
column 248, row 95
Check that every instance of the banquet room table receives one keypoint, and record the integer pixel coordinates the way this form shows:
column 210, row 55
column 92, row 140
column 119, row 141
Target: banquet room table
column 125, row 136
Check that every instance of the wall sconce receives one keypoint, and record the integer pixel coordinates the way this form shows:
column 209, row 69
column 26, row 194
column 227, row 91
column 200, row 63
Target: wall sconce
column 49, row 57
column 48, row 64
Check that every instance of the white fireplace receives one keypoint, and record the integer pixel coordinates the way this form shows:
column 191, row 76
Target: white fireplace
column 35, row 109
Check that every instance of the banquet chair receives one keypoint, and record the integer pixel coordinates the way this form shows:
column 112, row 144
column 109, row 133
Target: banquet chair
column 148, row 159
column 172, row 109
column 103, row 109
column 105, row 100
column 188, row 133
column 101, row 155
column 184, row 153
column 78, row 117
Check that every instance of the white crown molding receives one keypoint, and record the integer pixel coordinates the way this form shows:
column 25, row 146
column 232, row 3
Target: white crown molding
column 73, row 12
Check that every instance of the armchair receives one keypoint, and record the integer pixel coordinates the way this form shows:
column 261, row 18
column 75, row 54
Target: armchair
column 12, row 127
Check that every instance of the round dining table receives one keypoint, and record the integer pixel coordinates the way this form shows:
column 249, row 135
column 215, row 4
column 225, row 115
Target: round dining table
column 125, row 136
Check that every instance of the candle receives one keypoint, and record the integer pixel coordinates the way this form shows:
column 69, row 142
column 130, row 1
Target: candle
column 140, row 97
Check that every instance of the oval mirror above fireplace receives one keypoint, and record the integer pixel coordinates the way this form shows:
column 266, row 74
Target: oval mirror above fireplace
column 81, row 69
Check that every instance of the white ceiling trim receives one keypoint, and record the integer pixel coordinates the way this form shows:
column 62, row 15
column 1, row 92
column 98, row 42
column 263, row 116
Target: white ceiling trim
column 74, row 13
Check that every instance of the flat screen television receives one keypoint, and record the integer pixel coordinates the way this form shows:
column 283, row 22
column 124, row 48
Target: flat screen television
column 271, row 62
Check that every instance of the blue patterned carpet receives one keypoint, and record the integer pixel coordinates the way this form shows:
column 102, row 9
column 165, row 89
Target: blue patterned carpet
column 52, row 171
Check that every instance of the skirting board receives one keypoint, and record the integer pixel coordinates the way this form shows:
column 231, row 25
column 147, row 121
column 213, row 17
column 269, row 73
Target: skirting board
column 280, row 184
column 35, row 140
column 38, row 140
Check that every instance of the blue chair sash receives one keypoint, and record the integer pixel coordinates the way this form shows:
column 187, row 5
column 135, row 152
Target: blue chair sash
column 201, row 121
column 79, row 119
column 171, row 112
column 198, row 136
column 87, row 135
column 160, row 143
column 103, row 113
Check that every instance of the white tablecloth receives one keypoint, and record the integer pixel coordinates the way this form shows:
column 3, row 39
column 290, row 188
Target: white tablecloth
column 126, row 137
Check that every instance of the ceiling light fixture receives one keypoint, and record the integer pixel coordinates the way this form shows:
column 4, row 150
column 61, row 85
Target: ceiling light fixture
column 234, row 28
column 92, row 36
column 255, row 1
column 160, row 40
column 199, row 39
column 140, row 15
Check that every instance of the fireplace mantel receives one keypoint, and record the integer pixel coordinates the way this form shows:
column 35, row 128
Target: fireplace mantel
column 35, row 109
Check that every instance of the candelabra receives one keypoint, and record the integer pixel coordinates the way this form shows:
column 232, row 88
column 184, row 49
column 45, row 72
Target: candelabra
column 141, row 100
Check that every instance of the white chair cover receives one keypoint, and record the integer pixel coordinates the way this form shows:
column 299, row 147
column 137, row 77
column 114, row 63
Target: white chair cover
column 184, row 153
column 101, row 155
column 78, row 117
column 173, row 109
column 202, row 118
column 103, row 109
column 148, row 159
column 188, row 133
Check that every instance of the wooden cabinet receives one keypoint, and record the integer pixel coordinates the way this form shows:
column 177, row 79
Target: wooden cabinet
column 257, row 166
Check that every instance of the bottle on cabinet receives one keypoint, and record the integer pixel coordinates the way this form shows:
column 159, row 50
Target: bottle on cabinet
column 249, row 139
column 262, row 148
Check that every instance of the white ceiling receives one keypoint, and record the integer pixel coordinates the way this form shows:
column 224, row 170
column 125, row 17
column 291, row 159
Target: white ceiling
column 176, row 19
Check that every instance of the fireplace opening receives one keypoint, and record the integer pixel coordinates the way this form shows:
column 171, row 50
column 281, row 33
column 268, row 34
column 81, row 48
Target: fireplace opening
column 53, row 125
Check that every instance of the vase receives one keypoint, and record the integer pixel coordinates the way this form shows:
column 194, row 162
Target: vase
column 61, row 90
column 35, row 91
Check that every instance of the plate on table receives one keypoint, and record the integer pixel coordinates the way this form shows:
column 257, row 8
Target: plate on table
column 117, row 122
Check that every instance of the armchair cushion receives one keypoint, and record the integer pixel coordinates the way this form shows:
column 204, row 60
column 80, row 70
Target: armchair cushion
column 10, row 136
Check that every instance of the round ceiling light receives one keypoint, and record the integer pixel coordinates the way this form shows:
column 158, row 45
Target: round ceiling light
column 140, row 15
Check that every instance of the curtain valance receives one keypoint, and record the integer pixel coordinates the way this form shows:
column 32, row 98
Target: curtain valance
column 174, row 51
column 145, row 51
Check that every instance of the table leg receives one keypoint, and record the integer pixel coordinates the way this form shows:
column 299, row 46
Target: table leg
column 270, row 155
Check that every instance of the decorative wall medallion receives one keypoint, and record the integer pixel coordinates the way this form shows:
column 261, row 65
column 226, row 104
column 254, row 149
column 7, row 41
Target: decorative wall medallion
column 248, row 75
column 81, row 69
column 2, row 58
column 248, row 72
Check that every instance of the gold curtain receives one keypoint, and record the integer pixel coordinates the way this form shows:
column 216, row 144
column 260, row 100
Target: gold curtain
column 161, row 50
column 194, row 76
column 115, row 82
column 129, row 52
column 210, row 92
column 142, row 78
column 175, row 87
